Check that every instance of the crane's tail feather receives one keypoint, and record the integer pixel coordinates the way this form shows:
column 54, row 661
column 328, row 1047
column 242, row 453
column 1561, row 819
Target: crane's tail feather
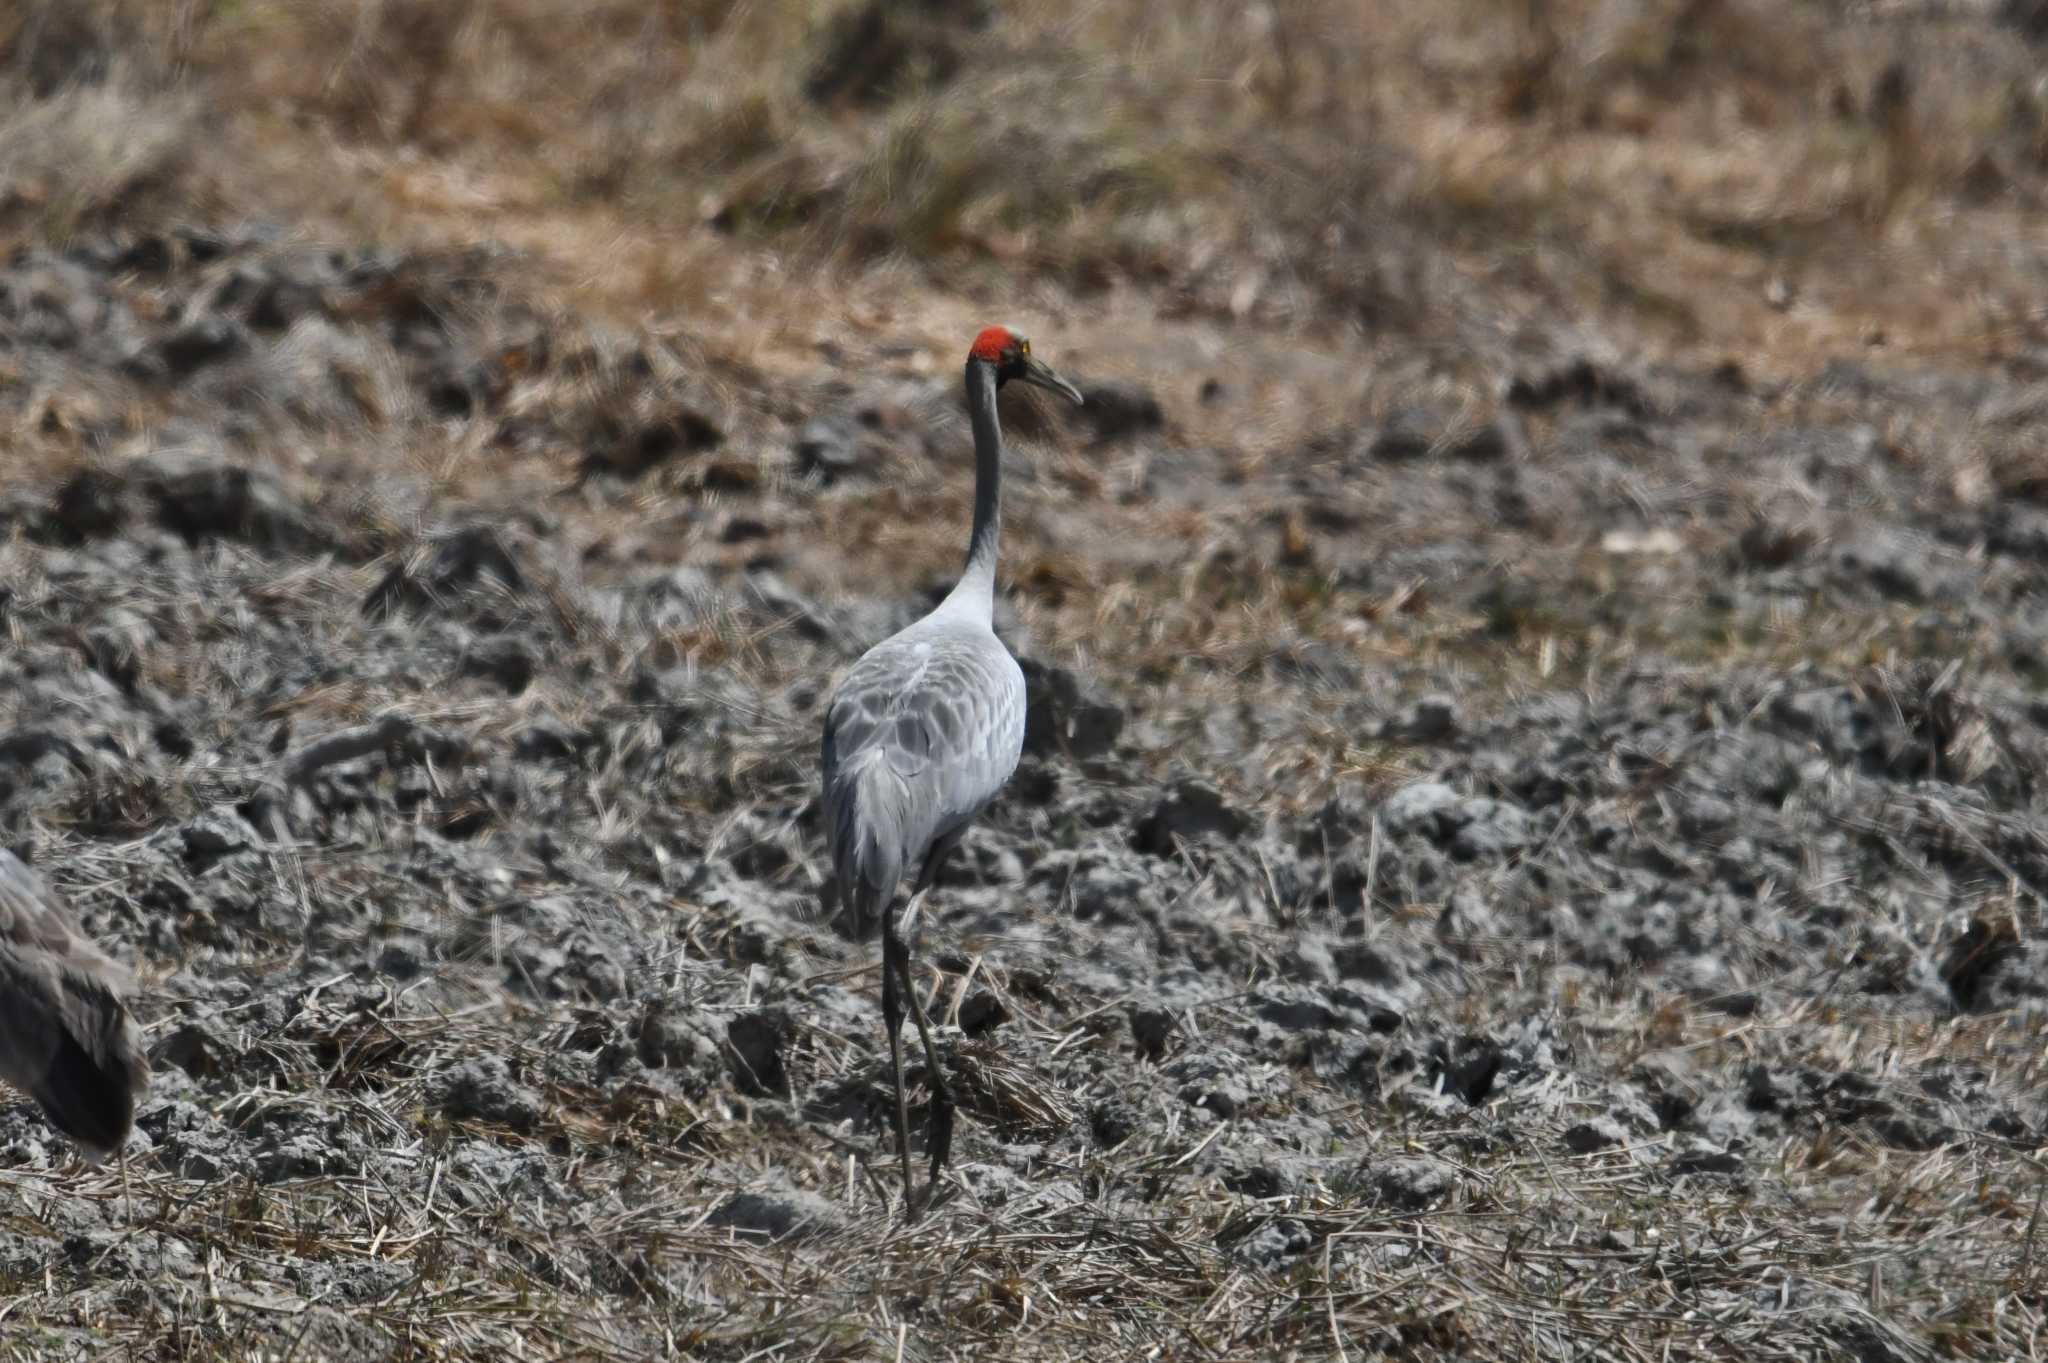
column 91, row 1102
column 867, row 851
column 96, row 1071
column 67, row 1038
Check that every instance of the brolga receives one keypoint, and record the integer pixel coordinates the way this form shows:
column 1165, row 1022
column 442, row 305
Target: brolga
column 921, row 735
column 66, row 1036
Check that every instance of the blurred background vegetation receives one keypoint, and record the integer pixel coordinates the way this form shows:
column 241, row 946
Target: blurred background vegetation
column 1736, row 180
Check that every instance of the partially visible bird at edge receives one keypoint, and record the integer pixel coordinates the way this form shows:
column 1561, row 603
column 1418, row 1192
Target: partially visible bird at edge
column 67, row 1038
column 921, row 734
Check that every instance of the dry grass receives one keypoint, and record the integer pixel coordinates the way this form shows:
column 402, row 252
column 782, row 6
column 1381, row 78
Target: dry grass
column 94, row 124
column 1720, row 178
column 1526, row 1254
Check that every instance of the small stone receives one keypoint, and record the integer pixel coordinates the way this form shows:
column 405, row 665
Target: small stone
column 1273, row 1244
column 212, row 836
column 1417, row 806
column 483, row 1089
column 1600, row 1133
column 785, row 1214
column 1412, row 1184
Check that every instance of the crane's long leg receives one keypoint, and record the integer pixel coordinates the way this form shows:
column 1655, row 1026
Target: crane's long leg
column 939, row 1129
column 892, row 1022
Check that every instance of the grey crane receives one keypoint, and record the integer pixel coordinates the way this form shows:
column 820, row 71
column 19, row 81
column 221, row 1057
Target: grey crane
column 66, row 1036
column 920, row 736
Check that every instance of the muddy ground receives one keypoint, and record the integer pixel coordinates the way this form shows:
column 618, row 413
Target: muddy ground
column 1546, row 861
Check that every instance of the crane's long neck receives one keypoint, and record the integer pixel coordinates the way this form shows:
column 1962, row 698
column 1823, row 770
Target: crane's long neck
column 977, row 586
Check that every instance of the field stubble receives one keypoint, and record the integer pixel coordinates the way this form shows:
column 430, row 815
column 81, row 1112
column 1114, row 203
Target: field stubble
column 1531, row 841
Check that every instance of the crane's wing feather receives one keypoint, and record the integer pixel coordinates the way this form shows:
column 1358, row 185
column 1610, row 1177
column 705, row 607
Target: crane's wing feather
column 923, row 732
column 66, row 1036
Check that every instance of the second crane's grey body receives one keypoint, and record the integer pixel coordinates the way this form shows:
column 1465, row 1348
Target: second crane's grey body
column 922, row 734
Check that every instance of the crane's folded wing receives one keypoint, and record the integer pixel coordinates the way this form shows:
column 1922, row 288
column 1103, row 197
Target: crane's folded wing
column 920, row 736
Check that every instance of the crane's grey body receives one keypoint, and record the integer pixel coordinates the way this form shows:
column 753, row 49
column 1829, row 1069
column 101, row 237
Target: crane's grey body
column 66, row 1036
column 921, row 734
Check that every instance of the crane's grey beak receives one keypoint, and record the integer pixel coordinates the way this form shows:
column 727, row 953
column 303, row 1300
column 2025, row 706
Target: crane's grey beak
column 1045, row 376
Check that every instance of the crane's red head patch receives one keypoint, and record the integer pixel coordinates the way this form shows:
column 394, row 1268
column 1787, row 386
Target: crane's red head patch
column 997, row 344
column 1008, row 356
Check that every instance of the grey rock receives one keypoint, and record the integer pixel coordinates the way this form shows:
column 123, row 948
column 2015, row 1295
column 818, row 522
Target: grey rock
column 1419, row 807
column 1410, row 1185
column 1471, row 828
column 296, row 1157
column 483, row 1089
column 779, row 1215
column 1599, row 1133
column 1273, row 1244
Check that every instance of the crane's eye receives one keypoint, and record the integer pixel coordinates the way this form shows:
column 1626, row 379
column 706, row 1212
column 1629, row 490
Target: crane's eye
column 1024, row 347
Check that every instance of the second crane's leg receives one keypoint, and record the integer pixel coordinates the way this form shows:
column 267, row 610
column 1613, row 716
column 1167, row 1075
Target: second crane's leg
column 938, row 1138
column 892, row 1022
